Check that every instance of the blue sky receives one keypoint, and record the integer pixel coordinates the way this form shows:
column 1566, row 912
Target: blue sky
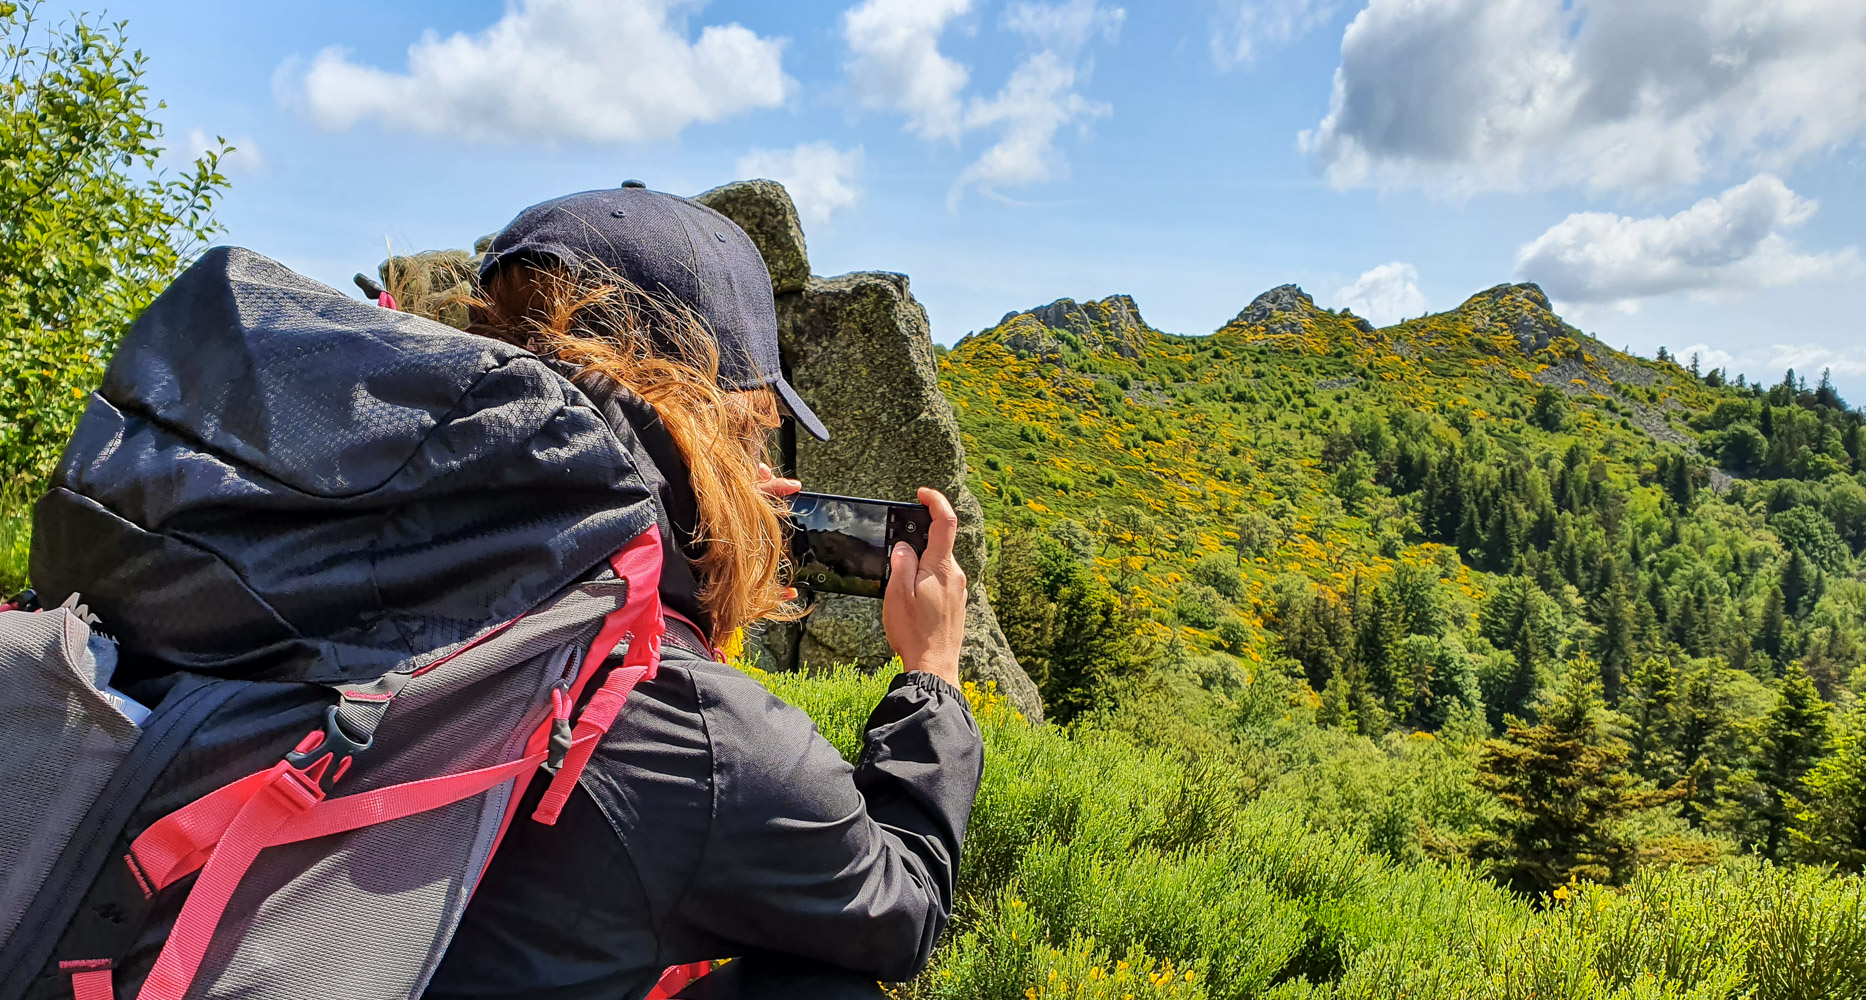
column 1673, row 172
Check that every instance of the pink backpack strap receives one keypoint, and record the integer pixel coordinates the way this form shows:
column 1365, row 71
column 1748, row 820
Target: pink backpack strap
column 221, row 834
column 639, row 622
column 676, row 979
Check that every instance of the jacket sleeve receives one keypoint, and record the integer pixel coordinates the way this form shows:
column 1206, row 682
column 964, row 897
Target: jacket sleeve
column 809, row 857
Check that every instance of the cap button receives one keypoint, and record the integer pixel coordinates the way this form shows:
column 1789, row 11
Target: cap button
column 632, row 183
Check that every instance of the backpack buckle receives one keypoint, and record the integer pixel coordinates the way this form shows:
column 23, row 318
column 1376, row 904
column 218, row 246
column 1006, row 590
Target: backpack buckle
column 323, row 757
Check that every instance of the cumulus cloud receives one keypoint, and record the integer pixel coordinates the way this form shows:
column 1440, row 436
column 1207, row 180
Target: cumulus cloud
column 1386, row 294
column 1471, row 95
column 1036, row 102
column 594, row 70
column 895, row 63
column 1040, row 97
column 1245, row 28
column 1732, row 242
column 819, row 177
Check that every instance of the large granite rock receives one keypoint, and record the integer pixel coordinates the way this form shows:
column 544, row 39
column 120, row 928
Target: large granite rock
column 764, row 210
column 860, row 351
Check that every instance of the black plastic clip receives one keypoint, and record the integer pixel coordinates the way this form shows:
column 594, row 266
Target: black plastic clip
column 327, row 760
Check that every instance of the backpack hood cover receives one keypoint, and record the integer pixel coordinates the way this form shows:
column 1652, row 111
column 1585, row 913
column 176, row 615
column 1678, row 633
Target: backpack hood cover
column 280, row 481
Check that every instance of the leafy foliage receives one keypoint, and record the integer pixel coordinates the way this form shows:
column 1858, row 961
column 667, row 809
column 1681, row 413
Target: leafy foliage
column 1427, row 526
column 91, row 228
column 1096, row 867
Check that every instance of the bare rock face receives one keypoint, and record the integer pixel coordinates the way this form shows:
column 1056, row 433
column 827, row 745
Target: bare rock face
column 764, row 210
column 860, row 351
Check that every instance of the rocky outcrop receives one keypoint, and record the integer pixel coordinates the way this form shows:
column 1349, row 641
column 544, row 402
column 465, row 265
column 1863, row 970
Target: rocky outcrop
column 1047, row 333
column 1521, row 310
column 1286, row 313
column 764, row 210
column 1289, row 300
column 859, row 349
column 433, row 283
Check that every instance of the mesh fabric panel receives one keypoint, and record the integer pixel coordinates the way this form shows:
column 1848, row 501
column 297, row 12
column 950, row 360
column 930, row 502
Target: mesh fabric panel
column 61, row 743
column 366, row 914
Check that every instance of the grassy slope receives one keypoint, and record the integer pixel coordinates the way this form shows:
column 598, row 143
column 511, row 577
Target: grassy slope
column 1093, row 868
column 1208, row 428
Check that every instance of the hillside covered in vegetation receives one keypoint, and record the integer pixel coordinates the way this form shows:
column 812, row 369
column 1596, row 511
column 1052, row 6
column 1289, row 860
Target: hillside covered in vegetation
column 1524, row 600
column 1097, row 868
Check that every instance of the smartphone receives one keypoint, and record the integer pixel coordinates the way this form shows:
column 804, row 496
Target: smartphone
column 840, row 545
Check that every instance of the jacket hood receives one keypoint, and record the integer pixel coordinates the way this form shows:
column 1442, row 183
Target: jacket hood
column 280, row 480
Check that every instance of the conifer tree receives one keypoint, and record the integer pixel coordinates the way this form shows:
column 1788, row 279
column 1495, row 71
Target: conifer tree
column 1771, row 630
column 1801, row 584
column 1711, row 744
column 1650, row 704
column 1830, row 822
column 1564, row 787
column 1793, row 736
column 1613, row 644
column 1523, row 620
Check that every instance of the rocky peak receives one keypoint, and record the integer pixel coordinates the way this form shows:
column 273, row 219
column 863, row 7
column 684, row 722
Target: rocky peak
column 1523, row 310
column 1281, row 299
column 1111, row 324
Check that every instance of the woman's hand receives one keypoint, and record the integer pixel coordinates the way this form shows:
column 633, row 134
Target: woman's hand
column 769, row 482
column 923, row 610
column 772, row 484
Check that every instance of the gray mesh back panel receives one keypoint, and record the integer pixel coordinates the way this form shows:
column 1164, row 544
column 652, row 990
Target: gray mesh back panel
column 366, row 914
column 60, row 741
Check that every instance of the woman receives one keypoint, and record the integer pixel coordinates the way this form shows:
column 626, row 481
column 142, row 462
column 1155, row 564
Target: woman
column 714, row 821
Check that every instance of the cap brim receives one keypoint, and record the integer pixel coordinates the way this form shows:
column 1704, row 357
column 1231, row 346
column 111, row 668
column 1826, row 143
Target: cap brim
column 794, row 405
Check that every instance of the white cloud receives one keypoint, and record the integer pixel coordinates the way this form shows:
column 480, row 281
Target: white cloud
column 1470, row 95
column 1039, row 98
column 1034, row 104
column 1766, row 364
column 245, row 158
column 1730, row 243
column 1064, row 27
column 1385, row 295
column 1247, row 27
column 819, row 177
column 595, row 70
column 1811, row 359
column 895, row 63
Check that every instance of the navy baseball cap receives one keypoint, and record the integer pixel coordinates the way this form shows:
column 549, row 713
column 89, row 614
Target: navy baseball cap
column 676, row 250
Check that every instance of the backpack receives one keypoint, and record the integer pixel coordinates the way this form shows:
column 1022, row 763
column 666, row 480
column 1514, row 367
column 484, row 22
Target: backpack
column 350, row 579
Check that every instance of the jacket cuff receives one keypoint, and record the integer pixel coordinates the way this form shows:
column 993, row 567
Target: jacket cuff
column 929, row 682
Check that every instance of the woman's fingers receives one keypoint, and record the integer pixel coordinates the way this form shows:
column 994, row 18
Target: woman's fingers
column 903, row 566
column 944, row 530
column 924, row 608
column 775, row 485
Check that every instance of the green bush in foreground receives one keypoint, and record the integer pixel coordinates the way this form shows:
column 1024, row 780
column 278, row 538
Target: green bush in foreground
column 1094, row 868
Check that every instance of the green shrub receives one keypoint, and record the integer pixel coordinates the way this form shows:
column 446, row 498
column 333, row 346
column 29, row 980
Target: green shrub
column 15, row 544
column 91, row 228
column 1093, row 866
column 1220, row 574
column 1199, row 606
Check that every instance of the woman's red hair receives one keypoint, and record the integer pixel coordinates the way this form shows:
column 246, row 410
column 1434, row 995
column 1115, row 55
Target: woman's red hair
column 618, row 336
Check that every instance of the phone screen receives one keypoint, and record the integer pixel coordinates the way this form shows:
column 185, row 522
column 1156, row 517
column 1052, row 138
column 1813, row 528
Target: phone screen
column 840, row 545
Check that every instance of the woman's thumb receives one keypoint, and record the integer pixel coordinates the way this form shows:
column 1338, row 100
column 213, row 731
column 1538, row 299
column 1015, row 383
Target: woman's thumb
column 902, row 565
